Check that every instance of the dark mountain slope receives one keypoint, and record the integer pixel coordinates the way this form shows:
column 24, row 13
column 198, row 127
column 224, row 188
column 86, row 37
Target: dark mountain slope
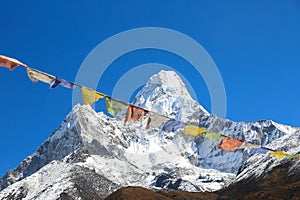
column 282, row 182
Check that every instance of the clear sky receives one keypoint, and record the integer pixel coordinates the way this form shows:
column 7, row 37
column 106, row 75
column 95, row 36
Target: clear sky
column 255, row 45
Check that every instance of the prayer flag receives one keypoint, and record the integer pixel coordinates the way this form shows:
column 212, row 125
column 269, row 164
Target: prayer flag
column 10, row 63
column 58, row 81
column 279, row 154
column 296, row 156
column 212, row 136
column 230, row 144
column 173, row 125
column 248, row 145
column 135, row 113
column 114, row 106
column 90, row 96
column 193, row 131
column 35, row 76
column 155, row 120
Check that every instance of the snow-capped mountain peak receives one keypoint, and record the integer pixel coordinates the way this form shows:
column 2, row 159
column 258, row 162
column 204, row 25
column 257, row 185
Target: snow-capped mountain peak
column 166, row 94
column 106, row 155
column 170, row 81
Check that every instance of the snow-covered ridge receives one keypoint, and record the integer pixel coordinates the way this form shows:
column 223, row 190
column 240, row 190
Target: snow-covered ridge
column 95, row 145
column 259, row 164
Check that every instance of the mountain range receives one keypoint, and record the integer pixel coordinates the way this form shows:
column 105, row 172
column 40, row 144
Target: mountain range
column 94, row 156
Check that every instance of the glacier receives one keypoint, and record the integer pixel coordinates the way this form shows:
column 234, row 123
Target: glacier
column 92, row 154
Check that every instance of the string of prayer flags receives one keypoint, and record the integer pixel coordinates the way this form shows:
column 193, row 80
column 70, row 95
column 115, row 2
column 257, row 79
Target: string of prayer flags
column 10, row 63
column 135, row 113
column 35, row 76
column 193, row 131
column 114, row 106
column 279, row 154
column 212, row 136
column 155, row 120
column 90, row 96
column 58, row 81
column 173, row 125
column 230, row 144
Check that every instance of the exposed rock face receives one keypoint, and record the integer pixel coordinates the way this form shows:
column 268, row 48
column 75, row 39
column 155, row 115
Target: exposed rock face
column 281, row 182
column 139, row 193
column 92, row 155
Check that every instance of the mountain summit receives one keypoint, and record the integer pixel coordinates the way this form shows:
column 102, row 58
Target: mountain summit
column 166, row 94
column 168, row 81
column 92, row 155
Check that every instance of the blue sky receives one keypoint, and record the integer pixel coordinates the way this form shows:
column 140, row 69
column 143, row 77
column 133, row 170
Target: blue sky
column 255, row 45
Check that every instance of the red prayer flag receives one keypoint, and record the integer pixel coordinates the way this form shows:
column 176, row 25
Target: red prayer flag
column 230, row 144
column 10, row 63
column 135, row 113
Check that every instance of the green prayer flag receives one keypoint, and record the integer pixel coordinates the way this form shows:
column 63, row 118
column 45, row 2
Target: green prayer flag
column 297, row 156
column 213, row 136
column 114, row 106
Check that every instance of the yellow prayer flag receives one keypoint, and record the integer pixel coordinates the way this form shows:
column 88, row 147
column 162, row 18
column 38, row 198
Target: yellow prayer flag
column 10, row 63
column 90, row 96
column 35, row 76
column 279, row 154
column 193, row 131
column 114, row 106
